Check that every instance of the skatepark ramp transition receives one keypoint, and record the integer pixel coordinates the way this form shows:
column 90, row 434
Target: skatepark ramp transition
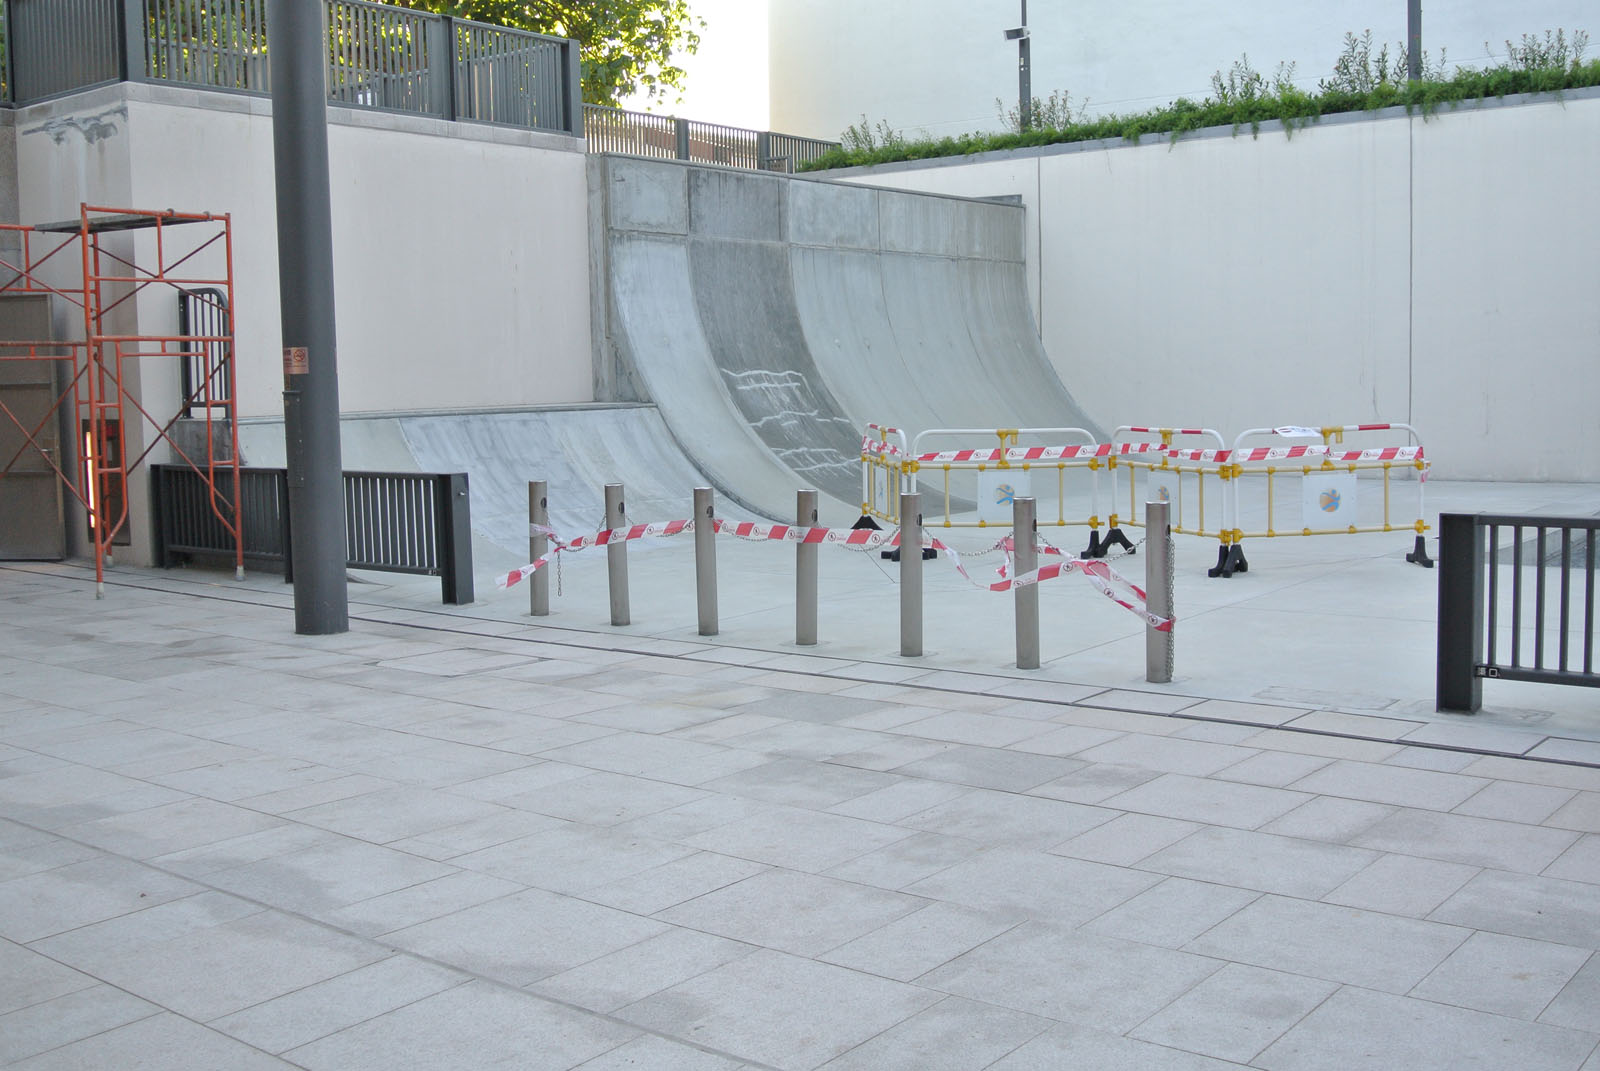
column 770, row 318
column 748, row 326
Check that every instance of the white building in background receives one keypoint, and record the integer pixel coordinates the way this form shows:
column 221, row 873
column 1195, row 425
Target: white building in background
column 938, row 66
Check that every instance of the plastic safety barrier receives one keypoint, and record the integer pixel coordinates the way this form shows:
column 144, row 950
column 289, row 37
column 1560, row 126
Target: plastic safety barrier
column 1161, row 469
column 990, row 478
column 1328, row 475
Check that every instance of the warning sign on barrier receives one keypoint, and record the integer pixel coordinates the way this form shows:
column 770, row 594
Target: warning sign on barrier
column 1328, row 500
column 1160, row 485
column 997, row 490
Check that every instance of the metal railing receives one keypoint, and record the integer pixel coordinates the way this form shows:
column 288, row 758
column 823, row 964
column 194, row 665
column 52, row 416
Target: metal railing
column 206, row 328
column 379, row 56
column 665, row 137
column 395, row 522
column 1491, row 611
column 217, row 45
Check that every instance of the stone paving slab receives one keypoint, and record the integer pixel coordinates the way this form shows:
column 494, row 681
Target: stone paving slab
column 440, row 842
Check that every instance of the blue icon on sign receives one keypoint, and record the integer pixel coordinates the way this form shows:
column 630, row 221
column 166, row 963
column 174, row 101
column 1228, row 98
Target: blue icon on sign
column 1329, row 501
column 1004, row 495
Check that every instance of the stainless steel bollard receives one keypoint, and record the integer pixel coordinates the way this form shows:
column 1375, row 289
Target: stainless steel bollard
column 805, row 572
column 538, row 546
column 617, row 556
column 1025, row 560
column 910, row 575
column 705, row 560
column 1158, row 574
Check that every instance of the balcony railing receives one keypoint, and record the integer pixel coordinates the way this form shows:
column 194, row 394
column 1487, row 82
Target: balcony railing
column 669, row 138
column 380, row 57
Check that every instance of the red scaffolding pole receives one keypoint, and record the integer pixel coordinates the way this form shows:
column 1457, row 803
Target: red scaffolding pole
column 99, row 367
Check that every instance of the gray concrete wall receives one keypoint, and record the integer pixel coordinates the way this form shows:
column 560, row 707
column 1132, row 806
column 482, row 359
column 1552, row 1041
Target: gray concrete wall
column 771, row 319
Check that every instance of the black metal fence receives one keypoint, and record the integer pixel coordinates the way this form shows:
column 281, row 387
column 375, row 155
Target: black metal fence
column 1516, row 602
column 204, row 325
column 668, row 138
column 395, row 522
column 379, row 56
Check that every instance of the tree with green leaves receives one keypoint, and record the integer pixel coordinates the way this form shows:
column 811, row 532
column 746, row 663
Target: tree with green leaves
column 627, row 46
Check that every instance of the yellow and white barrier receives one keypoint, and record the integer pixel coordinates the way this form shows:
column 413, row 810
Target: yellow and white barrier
column 992, row 477
column 1162, row 469
column 1328, row 475
column 884, row 475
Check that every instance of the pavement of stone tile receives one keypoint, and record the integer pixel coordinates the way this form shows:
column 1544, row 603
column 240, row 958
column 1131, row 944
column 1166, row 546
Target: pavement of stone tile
column 448, row 841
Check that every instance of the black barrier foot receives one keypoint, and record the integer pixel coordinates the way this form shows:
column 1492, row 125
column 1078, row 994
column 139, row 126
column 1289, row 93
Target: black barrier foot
column 865, row 522
column 1230, row 560
column 928, row 554
column 1420, row 555
column 1094, row 549
column 1115, row 536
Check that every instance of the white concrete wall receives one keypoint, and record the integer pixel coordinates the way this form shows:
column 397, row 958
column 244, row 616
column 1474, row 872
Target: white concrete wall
column 460, row 251
column 937, row 66
column 1242, row 282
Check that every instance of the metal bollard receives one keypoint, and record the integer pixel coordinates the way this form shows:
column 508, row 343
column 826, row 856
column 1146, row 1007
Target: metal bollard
column 617, row 556
column 805, row 573
column 1025, row 560
column 910, row 575
column 538, row 546
column 1158, row 574
column 705, row 560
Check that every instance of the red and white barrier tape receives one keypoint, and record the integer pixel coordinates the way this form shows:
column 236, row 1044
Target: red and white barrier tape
column 1098, row 573
column 869, row 445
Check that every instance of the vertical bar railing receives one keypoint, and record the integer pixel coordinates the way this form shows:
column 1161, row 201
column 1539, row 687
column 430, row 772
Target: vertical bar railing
column 1471, row 576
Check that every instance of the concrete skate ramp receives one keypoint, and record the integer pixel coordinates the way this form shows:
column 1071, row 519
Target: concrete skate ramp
column 771, row 318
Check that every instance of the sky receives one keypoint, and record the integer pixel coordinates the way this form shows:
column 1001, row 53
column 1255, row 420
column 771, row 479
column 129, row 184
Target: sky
column 727, row 78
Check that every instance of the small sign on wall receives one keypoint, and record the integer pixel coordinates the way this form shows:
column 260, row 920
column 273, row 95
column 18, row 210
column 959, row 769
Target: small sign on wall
column 1328, row 500
column 997, row 489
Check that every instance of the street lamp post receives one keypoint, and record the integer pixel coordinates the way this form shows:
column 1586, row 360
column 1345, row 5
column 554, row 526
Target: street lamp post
column 1024, row 76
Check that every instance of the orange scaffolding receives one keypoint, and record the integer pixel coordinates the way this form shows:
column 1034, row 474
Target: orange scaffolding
column 104, row 284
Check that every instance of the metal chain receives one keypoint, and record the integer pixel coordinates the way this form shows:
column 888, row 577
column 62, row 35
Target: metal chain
column 1172, row 600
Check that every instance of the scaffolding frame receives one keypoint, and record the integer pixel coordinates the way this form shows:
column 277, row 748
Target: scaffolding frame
column 97, row 371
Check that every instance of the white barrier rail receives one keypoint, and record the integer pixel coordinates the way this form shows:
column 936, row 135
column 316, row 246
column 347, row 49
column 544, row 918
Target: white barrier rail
column 1328, row 475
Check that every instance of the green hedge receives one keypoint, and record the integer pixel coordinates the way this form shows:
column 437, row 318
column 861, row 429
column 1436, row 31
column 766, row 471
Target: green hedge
column 1294, row 107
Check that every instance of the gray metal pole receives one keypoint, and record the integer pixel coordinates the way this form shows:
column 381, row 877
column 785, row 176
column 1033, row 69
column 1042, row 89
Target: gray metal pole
column 1158, row 591
column 705, row 560
column 805, row 573
column 298, row 57
column 538, row 547
column 1025, row 560
column 617, row 556
column 1462, row 544
column 1414, row 40
column 1024, row 74
column 910, row 574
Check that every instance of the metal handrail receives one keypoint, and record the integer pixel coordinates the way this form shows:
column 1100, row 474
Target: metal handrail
column 668, row 137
